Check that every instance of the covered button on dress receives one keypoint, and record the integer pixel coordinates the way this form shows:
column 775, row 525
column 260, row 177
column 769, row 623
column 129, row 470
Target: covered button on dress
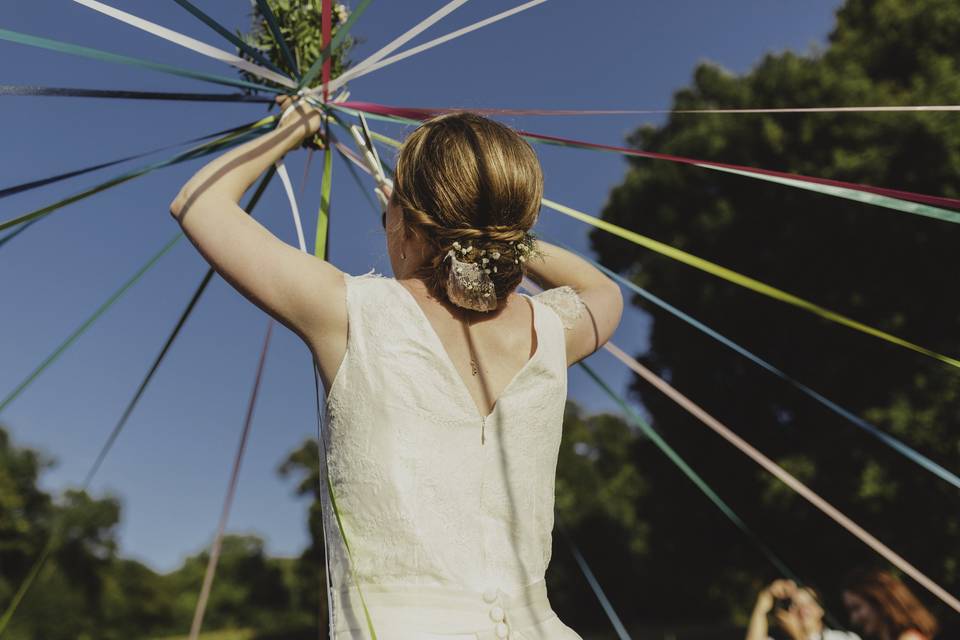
column 448, row 514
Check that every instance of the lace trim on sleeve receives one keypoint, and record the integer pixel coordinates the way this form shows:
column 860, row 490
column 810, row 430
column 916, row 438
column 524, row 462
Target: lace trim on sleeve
column 566, row 302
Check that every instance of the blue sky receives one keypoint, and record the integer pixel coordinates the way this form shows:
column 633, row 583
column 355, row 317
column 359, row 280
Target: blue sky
column 171, row 465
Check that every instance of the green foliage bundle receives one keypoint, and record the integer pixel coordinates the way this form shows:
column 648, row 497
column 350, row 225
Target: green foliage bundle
column 300, row 23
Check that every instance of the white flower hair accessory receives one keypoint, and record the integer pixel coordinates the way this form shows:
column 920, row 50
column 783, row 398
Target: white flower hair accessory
column 469, row 284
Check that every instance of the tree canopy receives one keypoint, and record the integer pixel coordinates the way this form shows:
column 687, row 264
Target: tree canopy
column 888, row 269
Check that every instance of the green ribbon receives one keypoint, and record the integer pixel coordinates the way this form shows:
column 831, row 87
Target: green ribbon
column 320, row 250
column 106, row 56
column 321, row 243
column 730, row 275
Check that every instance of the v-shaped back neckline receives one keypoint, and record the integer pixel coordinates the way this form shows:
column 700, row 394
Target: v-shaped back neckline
column 441, row 352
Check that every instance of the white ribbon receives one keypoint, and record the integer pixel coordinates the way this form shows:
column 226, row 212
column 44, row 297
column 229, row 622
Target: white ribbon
column 187, row 42
column 398, row 42
column 373, row 65
column 288, row 187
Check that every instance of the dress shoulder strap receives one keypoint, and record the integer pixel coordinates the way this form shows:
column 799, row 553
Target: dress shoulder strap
column 366, row 296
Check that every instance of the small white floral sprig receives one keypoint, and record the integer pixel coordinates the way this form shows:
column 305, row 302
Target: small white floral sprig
column 522, row 250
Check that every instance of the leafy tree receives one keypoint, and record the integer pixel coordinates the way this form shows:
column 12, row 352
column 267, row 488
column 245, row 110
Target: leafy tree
column 66, row 599
column 888, row 269
column 249, row 589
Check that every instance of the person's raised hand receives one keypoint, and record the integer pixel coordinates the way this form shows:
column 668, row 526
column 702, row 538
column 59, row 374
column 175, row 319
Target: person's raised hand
column 776, row 589
column 301, row 112
column 789, row 620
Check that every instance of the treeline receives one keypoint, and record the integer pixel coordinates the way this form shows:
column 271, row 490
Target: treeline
column 86, row 590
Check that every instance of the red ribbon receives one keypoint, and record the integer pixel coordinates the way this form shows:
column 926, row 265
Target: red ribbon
column 326, row 24
column 425, row 113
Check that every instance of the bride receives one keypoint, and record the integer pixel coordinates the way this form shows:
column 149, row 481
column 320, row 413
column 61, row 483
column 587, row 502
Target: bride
column 445, row 386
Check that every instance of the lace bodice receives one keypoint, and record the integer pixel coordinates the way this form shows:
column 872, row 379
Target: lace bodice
column 422, row 500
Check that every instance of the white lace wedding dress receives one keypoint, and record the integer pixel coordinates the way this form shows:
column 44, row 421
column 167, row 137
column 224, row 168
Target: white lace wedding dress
column 448, row 514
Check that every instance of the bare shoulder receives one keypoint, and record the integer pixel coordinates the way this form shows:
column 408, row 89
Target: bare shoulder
column 589, row 316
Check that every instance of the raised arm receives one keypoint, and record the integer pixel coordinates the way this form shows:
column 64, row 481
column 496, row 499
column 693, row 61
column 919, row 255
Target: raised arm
column 600, row 295
column 301, row 291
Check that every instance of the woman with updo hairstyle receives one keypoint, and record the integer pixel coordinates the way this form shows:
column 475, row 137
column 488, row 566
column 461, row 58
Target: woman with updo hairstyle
column 445, row 385
column 883, row 608
column 464, row 178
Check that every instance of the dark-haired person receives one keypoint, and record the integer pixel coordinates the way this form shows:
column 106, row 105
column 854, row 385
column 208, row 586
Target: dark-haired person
column 445, row 386
column 796, row 612
column 883, row 608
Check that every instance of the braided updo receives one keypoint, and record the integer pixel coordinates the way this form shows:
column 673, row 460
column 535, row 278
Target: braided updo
column 462, row 178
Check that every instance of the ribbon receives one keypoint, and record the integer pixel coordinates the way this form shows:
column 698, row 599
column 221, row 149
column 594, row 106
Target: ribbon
column 393, row 45
column 342, row 31
column 654, row 437
column 320, row 251
column 187, row 42
column 906, row 201
column 115, row 433
column 288, row 187
column 326, row 23
column 680, row 463
column 223, row 31
column 33, row 184
column 728, row 274
column 106, row 56
column 86, row 324
column 744, row 281
column 64, row 92
column 202, row 150
column 231, row 491
column 358, row 72
column 321, row 243
column 438, row 41
column 621, row 112
column 765, row 462
column 271, row 19
column 778, row 472
column 890, row 441
column 349, row 162
column 594, row 584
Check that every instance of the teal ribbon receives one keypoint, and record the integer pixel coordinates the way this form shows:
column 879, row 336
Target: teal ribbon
column 593, row 582
column 106, row 56
column 274, row 26
column 223, row 31
column 892, row 442
column 681, row 464
column 89, row 321
column 190, row 154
